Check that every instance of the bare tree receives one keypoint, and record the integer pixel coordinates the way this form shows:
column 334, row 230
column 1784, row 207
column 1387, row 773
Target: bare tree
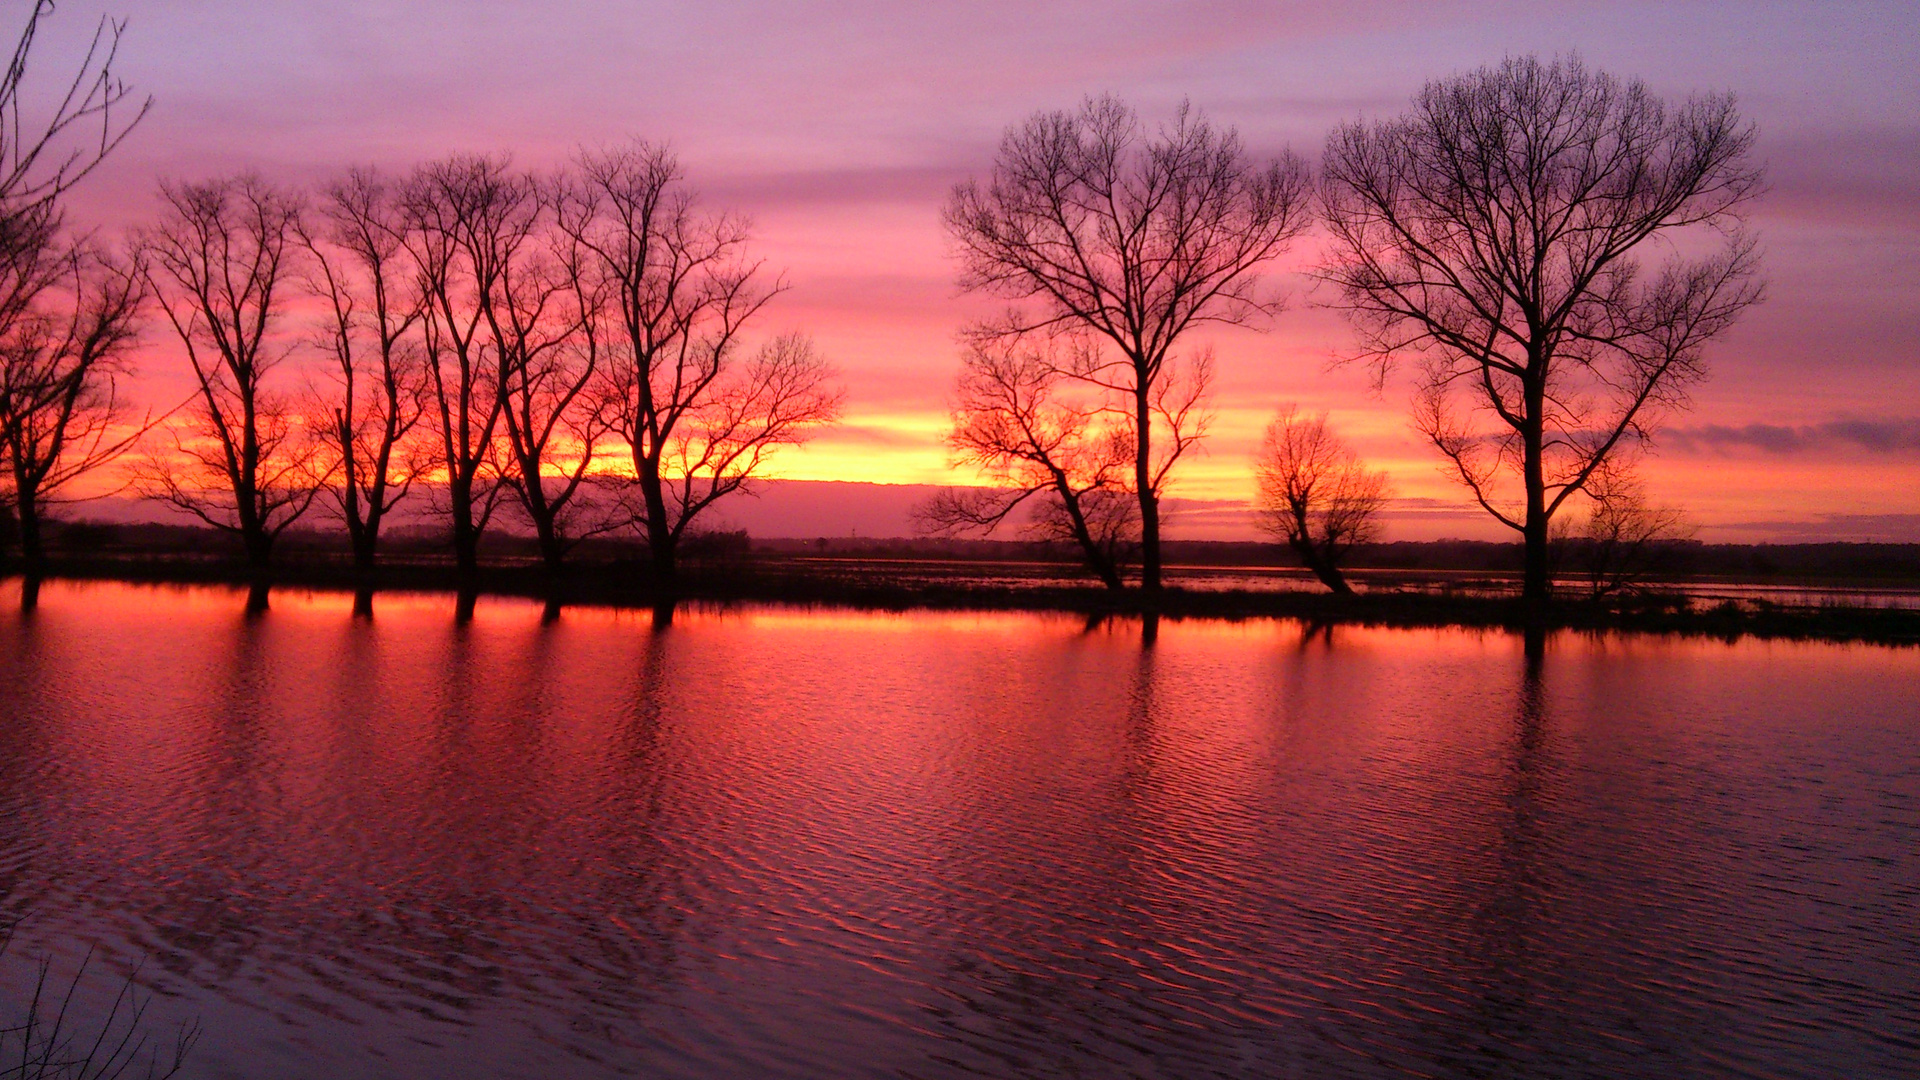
column 515, row 348
column 1315, row 494
column 57, row 391
column 1134, row 239
column 378, row 394
column 1040, row 445
column 218, row 260
column 459, row 213
column 1624, row 537
column 545, row 322
column 701, row 415
column 1492, row 234
column 61, row 365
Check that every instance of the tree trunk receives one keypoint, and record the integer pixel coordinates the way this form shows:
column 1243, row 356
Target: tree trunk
column 1326, row 571
column 466, row 550
column 543, row 514
column 662, row 551
column 1537, row 580
column 357, row 530
column 1149, row 500
column 466, row 541
column 552, row 554
column 363, row 555
column 661, row 539
column 33, row 555
column 259, row 547
column 363, row 537
column 1097, row 560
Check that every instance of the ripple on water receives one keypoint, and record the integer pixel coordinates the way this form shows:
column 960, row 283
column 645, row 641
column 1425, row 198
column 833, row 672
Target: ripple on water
column 783, row 843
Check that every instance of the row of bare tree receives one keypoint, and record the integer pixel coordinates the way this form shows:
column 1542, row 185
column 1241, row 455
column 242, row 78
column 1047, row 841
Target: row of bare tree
column 499, row 333
column 502, row 333
column 572, row 343
column 1490, row 240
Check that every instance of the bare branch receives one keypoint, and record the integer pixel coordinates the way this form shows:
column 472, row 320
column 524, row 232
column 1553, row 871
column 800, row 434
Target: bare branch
column 1491, row 234
column 1314, row 493
column 62, row 362
column 1038, row 443
column 218, row 261
column 676, row 290
column 376, row 395
column 1093, row 227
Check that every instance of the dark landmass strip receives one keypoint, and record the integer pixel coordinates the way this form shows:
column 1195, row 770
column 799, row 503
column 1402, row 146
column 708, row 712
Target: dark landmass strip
column 1823, row 564
column 1444, row 583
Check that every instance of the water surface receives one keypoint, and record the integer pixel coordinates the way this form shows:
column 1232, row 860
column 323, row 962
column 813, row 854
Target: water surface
column 781, row 843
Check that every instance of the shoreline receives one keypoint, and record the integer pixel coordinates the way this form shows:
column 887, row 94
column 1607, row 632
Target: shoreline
column 863, row 585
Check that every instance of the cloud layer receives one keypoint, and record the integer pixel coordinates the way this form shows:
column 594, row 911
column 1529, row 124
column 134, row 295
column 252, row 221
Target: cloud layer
column 840, row 126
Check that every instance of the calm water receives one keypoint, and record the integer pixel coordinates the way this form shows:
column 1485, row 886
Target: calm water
column 798, row 844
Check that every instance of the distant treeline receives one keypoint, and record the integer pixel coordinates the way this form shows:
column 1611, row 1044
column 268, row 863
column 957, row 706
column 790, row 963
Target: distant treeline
column 1892, row 563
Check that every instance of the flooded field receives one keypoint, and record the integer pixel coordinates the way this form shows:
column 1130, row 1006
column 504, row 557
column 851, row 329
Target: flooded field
column 770, row 842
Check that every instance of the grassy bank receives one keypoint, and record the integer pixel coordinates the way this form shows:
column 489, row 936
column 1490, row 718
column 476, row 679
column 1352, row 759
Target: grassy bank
column 902, row 586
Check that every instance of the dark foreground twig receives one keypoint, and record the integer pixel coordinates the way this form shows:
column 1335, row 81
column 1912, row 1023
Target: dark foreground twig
column 52, row 1041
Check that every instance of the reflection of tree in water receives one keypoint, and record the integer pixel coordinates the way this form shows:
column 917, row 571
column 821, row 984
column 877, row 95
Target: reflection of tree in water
column 1546, row 960
column 1083, row 908
column 561, row 890
column 1510, row 951
column 216, row 812
column 1021, row 964
column 28, row 788
column 393, row 849
column 1316, row 632
column 1045, row 851
column 631, row 947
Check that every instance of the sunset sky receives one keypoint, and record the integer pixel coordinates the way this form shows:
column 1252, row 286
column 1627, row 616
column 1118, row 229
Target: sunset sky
column 840, row 128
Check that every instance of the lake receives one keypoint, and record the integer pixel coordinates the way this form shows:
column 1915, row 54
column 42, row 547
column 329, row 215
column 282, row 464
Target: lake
column 769, row 842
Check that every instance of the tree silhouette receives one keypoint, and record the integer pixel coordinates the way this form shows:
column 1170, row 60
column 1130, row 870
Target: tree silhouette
column 700, row 413
column 1055, row 445
column 1492, row 236
column 67, row 310
column 458, row 215
column 1315, row 494
column 1094, row 226
column 377, row 396
column 219, row 260
column 62, row 363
